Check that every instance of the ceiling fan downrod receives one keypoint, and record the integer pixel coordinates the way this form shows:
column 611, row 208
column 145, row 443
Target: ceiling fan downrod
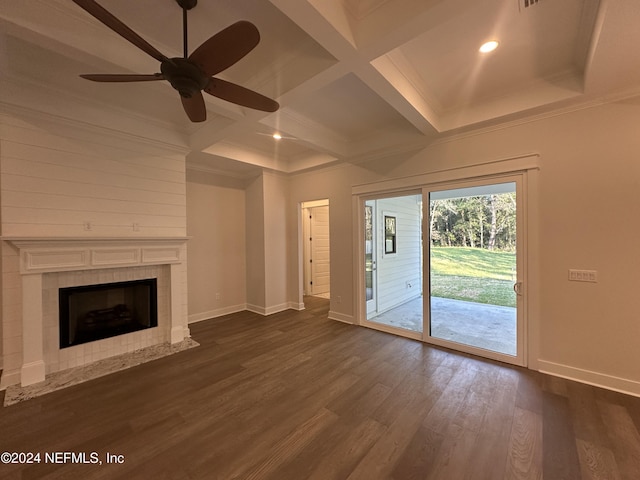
column 186, row 5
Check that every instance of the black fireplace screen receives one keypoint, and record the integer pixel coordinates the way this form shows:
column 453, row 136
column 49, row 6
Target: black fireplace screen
column 93, row 312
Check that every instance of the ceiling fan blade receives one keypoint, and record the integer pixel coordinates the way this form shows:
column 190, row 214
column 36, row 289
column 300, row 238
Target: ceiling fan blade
column 194, row 107
column 226, row 47
column 116, row 77
column 120, row 28
column 241, row 96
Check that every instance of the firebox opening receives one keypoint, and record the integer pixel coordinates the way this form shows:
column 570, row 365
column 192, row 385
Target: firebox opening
column 94, row 312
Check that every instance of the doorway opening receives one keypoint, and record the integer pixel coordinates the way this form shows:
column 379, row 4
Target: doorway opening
column 316, row 260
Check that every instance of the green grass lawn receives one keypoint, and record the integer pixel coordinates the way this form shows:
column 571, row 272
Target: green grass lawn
column 474, row 275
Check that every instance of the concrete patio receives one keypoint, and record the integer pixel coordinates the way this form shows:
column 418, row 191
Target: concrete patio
column 484, row 326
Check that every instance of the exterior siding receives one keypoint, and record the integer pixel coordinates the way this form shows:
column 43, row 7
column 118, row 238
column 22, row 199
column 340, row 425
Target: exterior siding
column 399, row 270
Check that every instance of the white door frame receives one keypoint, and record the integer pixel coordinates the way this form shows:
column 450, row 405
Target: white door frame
column 304, row 270
column 372, row 303
column 526, row 165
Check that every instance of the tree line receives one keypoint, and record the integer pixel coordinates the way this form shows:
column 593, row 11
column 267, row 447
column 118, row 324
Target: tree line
column 487, row 221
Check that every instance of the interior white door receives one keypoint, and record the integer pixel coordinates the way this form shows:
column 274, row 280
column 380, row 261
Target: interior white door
column 320, row 259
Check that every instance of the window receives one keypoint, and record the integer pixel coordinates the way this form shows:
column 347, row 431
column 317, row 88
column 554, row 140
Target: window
column 389, row 234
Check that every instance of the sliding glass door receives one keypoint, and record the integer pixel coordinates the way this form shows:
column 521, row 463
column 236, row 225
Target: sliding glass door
column 475, row 269
column 444, row 265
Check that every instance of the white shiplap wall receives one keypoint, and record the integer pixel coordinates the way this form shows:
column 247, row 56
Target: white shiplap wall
column 55, row 177
column 54, row 181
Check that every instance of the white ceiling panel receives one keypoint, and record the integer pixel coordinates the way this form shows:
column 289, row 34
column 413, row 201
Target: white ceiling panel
column 353, row 77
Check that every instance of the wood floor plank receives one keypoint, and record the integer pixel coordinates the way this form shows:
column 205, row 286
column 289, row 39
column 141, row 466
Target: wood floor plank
column 560, row 457
column 488, row 459
column 297, row 396
column 381, row 459
column 625, row 438
column 346, row 453
column 597, row 463
column 287, row 448
column 525, row 447
column 453, row 454
column 420, row 456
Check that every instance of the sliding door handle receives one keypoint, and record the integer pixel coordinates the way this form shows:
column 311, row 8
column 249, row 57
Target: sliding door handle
column 517, row 287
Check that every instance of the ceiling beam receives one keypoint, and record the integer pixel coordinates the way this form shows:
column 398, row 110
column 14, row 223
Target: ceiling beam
column 350, row 59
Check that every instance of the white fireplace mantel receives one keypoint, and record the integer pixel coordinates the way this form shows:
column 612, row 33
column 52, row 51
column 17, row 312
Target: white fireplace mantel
column 55, row 254
column 39, row 256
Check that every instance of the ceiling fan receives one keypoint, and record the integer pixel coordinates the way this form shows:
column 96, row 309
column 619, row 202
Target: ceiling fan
column 192, row 74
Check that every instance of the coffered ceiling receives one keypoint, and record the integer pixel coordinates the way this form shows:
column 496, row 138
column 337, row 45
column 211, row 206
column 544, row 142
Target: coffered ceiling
column 356, row 79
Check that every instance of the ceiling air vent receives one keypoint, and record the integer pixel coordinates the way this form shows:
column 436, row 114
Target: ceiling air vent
column 526, row 3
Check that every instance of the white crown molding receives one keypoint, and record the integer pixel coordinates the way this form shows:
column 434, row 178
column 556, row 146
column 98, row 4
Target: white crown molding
column 574, row 106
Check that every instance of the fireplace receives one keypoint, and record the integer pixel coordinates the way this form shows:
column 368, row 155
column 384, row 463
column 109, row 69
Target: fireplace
column 41, row 267
column 93, row 312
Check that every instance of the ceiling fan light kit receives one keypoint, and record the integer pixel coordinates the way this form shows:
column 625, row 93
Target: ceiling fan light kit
column 191, row 74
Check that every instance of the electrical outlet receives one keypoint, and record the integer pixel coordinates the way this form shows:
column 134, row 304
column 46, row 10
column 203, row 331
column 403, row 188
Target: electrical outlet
column 218, row 296
column 136, row 227
column 88, row 226
column 583, row 276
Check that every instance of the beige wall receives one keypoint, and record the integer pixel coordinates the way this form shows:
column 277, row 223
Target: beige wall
column 216, row 225
column 275, row 246
column 255, row 251
column 333, row 184
column 589, row 208
column 266, row 200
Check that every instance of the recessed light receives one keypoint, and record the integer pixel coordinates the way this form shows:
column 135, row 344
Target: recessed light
column 489, row 46
column 277, row 136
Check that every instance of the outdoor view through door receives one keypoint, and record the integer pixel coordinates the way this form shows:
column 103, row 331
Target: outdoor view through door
column 472, row 265
column 459, row 247
column 393, row 262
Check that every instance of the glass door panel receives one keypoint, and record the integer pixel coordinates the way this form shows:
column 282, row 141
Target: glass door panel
column 393, row 264
column 473, row 270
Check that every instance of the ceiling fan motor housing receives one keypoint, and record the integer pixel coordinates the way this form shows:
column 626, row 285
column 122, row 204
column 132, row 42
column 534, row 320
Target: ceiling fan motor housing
column 184, row 76
column 187, row 4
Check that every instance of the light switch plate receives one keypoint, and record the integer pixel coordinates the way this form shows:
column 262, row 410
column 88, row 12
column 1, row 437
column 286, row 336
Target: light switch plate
column 583, row 276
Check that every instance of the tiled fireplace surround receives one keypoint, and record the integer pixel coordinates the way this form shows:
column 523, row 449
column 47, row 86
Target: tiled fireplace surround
column 45, row 265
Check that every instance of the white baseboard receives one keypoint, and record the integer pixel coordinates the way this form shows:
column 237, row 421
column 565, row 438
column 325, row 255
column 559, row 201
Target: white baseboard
column 617, row 384
column 32, row 372
column 341, row 317
column 198, row 317
column 296, row 306
column 219, row 312
column 267, row 310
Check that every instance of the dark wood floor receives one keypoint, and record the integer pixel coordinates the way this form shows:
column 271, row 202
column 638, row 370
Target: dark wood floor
column 297, row 396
